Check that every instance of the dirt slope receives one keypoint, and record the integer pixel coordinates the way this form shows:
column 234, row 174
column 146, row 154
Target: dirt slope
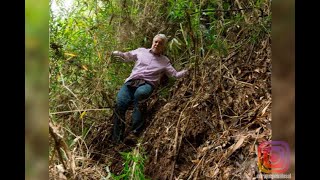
column 210, row 128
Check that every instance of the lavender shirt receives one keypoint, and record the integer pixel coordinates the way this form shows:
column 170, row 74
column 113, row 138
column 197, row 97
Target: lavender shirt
column 150, row 67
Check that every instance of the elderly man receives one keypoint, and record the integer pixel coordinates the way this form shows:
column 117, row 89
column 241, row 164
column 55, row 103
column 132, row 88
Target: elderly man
column 150, row 65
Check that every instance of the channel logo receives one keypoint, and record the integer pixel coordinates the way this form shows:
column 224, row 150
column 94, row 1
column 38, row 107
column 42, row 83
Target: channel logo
column 273, row 157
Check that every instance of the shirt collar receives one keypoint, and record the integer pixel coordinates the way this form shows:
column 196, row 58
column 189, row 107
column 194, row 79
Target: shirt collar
column 154, row 53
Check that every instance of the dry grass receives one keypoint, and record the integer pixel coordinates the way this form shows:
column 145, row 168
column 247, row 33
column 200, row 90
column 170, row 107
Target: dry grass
column 211, row 131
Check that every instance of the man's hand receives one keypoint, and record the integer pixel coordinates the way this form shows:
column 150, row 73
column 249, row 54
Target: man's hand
column 116, row 55
column 184, row 72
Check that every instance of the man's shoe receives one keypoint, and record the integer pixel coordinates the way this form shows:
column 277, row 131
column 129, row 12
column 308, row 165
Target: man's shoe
column 130, row 140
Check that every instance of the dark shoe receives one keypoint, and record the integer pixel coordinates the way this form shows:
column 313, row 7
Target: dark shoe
column 130, row 140
column 117, row 137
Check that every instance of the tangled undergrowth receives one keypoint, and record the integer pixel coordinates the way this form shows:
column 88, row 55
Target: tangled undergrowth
column 211, row 129
column 207, row 127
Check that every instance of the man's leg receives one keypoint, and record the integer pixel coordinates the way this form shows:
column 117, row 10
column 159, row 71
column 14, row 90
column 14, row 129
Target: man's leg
column 141, row 93
column 124, row 99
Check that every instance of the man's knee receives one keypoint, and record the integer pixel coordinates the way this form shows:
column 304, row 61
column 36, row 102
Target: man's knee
column 123, row 98
column 122, row 104
column 142, row 95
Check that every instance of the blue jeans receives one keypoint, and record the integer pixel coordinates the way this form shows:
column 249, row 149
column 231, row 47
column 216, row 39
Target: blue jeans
column 126, row 96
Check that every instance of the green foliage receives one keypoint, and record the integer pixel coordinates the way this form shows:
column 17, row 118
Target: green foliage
column 133, row 165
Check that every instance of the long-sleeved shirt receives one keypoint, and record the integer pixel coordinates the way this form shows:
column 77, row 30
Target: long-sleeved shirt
column 149, row 66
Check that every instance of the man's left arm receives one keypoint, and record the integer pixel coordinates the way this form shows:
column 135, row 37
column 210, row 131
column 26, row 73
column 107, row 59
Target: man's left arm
column 171, row 71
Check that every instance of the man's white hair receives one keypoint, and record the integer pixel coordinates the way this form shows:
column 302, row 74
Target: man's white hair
column 162, row 36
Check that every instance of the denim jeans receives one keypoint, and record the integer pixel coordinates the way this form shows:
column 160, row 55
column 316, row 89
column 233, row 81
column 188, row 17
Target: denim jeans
column 126, row 96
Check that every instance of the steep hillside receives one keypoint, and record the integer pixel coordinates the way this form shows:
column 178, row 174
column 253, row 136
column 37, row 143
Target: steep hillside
column 204, row 126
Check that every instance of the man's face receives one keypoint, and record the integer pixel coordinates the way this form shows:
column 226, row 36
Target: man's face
column 158, row 45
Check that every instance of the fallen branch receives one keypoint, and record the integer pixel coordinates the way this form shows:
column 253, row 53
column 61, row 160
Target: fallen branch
column 196, row 167
column 222, row 10
column 80, row 110
column 58, row 141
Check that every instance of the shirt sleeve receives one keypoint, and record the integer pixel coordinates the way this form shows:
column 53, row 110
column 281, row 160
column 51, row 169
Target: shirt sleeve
column 170, row 71
column 129, row 56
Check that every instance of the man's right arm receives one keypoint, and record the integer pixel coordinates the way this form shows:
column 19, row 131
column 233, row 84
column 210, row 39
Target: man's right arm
column 125, row 56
